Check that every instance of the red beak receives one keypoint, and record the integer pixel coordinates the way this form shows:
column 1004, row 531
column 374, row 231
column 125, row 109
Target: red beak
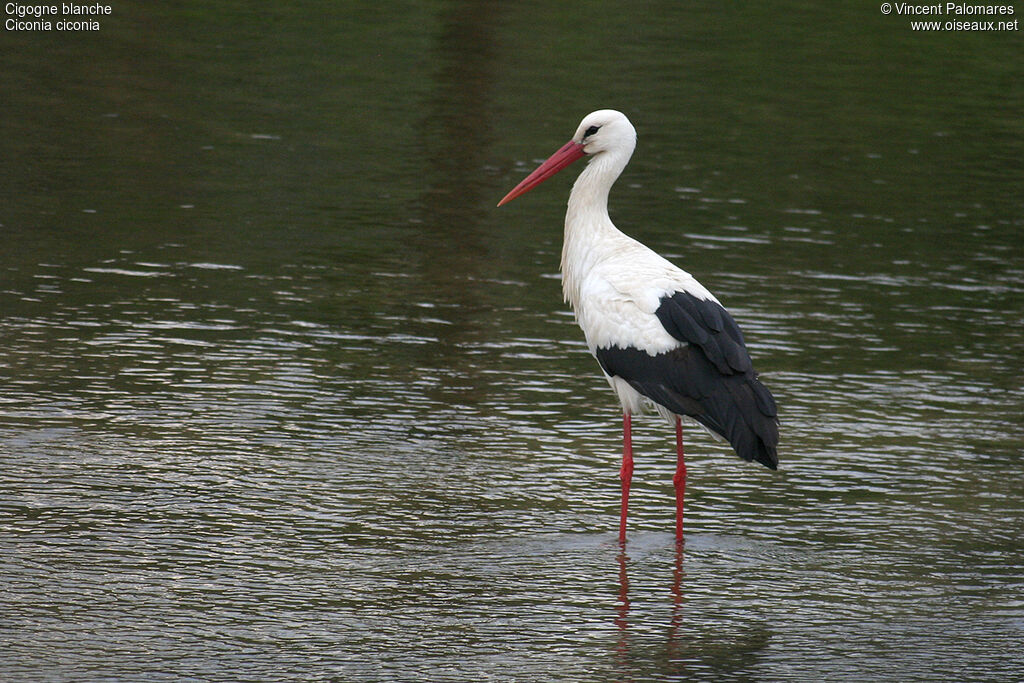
column 569, row 152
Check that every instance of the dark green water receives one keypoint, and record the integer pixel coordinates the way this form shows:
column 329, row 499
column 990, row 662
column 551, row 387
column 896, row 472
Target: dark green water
column 284, row 396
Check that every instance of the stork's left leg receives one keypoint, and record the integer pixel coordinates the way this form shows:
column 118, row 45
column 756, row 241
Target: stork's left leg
column 626, row 473
column 679, row 480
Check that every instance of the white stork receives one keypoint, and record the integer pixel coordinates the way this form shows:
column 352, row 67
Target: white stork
column 659, row 336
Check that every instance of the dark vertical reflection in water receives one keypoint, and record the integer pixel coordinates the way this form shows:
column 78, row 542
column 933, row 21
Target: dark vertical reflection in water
column 455, row 137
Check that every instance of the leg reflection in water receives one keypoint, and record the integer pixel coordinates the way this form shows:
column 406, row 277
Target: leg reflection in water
column 623, row 605
column 622, row 608
column 677, row 603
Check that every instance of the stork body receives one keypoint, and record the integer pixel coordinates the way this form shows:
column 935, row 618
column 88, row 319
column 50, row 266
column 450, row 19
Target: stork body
column 660, row 337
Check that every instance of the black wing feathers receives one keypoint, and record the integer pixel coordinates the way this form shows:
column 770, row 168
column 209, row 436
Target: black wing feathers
column 709, row 326
column 710, row 378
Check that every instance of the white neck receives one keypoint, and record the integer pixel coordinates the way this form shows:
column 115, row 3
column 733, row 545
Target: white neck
column 587, row 224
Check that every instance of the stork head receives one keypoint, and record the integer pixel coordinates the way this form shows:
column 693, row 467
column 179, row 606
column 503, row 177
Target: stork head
column 605, row 130
column 602, row 131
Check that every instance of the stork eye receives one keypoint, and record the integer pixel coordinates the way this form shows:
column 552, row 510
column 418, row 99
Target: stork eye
column 590, row 131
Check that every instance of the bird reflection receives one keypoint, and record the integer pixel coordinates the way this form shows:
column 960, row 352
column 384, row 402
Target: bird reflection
column 623, row 603
column 622, row 608
column 677, row 602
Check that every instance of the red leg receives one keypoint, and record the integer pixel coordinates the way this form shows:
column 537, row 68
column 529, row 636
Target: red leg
column 626, row 473
column 679, row 480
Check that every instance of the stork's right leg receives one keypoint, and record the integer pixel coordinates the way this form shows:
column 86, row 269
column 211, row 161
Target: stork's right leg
column 679, row 480
column 626, row 473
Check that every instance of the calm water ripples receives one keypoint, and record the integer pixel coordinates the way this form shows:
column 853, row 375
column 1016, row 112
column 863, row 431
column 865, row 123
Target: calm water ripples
column 226, row 489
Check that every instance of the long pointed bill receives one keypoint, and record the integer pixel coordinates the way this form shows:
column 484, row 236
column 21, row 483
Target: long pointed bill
column 569, row 152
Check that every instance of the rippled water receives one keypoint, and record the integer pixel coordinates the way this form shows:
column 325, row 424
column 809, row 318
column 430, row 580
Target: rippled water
column 283, row 396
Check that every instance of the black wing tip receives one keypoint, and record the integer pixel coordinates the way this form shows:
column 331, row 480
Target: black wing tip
column 767, row 457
